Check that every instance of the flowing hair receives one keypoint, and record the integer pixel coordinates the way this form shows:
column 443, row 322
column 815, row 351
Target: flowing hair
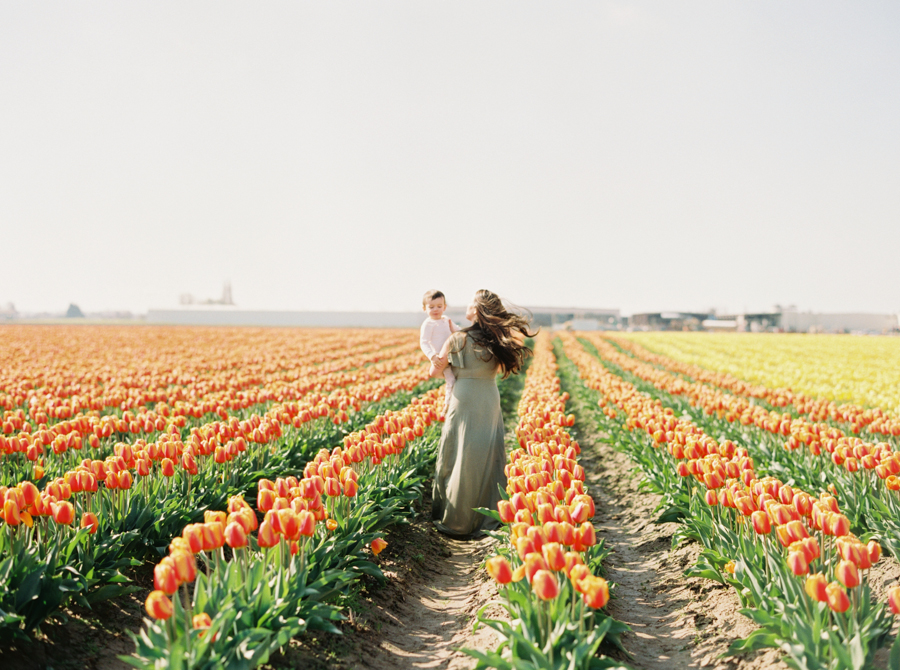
column 501, row 332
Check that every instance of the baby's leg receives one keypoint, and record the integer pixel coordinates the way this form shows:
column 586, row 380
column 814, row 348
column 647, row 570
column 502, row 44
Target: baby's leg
column 448, row 387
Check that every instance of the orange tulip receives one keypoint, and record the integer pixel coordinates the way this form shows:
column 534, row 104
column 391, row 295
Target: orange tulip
column 837, row 597
column 185, row 566
column 761, row 523
column 499, row 568
column 534, row 562
column 554, row 556
column 306, row 523
column 506, row 511
column 267, row 537
column 596, row 592
column 378, row 545
column 265, row 498
column 331, row 524
column 816, row 587
column 90, row 520
column 894, row 599
column 797, row 563
column 544, row 584
column 235, row 536
column 201, row 620
column 164, row 578
column 63, row 512
column 577, row 574
column 11, row 513
column 847, row 574
column 874, row 550
column 158, row 605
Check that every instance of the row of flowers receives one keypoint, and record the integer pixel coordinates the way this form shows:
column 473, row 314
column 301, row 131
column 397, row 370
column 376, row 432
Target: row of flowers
column 796, row 566
column 548, row 556
column 852, row 370
column 238, row 586
column 130, row 502
column 864, row 475
column 56, row 374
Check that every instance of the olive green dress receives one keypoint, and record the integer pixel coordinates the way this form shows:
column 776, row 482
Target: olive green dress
column 471, row 457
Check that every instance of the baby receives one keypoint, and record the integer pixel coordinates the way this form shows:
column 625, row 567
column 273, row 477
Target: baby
column 436, row 330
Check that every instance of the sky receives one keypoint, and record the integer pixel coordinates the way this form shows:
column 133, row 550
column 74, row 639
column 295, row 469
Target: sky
column 331, row 155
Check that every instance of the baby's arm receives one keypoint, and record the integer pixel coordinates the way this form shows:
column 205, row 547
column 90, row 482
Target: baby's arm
column 453, row 327
column 425, row 344
column 437, row 369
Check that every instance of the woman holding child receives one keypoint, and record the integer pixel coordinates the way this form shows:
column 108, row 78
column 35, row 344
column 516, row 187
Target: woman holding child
column 471, row 458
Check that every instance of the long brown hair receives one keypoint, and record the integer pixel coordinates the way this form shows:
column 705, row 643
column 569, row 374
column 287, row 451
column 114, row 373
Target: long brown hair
column 495, row 330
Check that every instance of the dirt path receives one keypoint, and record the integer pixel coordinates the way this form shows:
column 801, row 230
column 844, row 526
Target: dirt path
column 676, row 622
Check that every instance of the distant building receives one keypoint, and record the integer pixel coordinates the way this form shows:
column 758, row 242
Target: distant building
column 809, row 322
column 8, row 312
column 669, row 320
column 222, row 315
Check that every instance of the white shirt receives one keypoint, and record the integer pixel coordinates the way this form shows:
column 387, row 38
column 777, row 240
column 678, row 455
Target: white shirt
column 433, row 334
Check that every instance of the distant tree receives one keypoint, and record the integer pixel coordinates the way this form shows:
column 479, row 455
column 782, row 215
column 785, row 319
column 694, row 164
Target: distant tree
column 74, row 312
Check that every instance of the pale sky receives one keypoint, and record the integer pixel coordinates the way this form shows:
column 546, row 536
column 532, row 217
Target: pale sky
column 350, row 155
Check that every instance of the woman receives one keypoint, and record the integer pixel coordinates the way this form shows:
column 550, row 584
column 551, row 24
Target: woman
column 471, row 457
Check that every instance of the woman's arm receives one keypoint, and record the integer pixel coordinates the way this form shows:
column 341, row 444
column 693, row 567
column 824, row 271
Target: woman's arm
column 438, row 370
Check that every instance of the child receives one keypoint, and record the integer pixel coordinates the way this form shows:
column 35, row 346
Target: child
column 436, row 330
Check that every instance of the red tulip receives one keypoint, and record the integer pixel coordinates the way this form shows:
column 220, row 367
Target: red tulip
column 534, row 562
column 168, row 467
column 185, row 566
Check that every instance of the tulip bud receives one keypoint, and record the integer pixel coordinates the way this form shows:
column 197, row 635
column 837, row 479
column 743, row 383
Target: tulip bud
column 554, row 556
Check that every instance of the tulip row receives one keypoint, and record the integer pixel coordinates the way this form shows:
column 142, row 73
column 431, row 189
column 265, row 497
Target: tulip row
column 858, row 370
column 135, row 499
column 279, row 577
column 862, row 474
column 790, row 556
column 549, row 552
column 24, row 452
column 69, row 371
column 857, row 418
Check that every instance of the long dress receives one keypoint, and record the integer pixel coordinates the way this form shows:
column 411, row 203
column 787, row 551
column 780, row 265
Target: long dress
column 471, row 457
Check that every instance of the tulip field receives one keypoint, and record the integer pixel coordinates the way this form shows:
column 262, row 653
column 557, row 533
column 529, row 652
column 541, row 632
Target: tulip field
column 246, row 479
